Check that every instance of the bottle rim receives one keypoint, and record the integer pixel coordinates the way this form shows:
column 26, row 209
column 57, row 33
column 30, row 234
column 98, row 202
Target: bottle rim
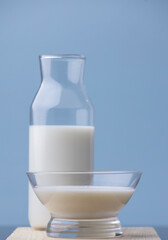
column 62, row 56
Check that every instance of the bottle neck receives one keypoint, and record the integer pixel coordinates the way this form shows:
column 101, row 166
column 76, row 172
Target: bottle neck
column 64, row 70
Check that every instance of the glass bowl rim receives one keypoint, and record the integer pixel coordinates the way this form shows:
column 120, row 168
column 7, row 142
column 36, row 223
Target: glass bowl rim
column 82, row 173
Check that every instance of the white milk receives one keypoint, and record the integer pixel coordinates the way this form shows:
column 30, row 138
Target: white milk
column 84, row 202
column 57, row 148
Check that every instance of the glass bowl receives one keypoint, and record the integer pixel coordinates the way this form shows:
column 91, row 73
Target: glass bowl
column 84, row 204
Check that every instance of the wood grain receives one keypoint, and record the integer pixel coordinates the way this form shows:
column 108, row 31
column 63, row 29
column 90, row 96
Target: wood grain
column 130, row 233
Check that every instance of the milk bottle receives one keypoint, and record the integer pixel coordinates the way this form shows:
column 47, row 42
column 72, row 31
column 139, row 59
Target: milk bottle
column 61, row 132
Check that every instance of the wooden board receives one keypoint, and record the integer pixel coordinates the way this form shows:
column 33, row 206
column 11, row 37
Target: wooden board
column 130, row 233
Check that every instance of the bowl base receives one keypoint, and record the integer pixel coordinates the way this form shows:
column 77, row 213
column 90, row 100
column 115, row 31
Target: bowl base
column 91, row 228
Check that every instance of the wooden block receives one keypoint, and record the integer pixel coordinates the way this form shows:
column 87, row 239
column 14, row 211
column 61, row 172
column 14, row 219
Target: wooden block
column 130, row 233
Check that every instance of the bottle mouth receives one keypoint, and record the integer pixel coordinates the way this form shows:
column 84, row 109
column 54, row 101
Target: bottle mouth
column 63, row 56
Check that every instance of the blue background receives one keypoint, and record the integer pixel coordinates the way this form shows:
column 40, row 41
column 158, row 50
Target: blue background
column 126, row 45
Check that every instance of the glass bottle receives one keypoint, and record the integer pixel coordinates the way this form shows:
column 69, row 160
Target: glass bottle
column 61, row 132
